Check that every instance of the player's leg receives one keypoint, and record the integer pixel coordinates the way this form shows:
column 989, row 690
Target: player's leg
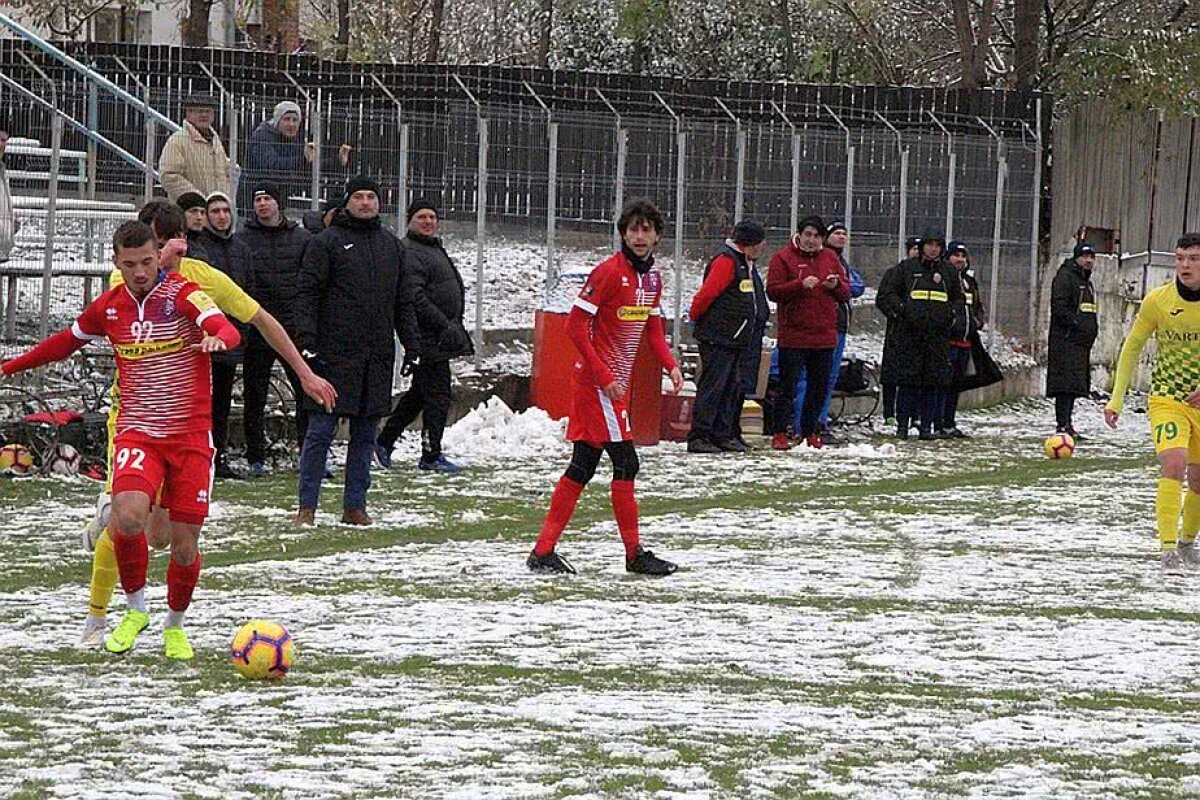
column 585, row 457
column 183, row 573
column 98, row 540
column 1170, row 430
column 625, row 465
column 1188, row 550
column 131, row 508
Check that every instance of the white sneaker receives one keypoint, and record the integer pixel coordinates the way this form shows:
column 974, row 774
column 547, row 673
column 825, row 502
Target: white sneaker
column 1172, row 563
column 96, row 525
column 1189, row 554
column 94, row 631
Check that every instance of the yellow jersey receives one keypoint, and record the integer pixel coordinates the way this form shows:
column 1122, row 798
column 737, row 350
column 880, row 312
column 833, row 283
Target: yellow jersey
column 228, row 296
column 1174, row 322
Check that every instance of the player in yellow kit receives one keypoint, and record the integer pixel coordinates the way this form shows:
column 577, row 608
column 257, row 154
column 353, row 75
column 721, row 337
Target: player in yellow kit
column 1171, row 314
column 167, row 220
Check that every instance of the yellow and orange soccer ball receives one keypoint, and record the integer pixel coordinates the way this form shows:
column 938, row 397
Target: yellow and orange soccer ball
column 15, row 459
column 262, row 649
column 1060, row 445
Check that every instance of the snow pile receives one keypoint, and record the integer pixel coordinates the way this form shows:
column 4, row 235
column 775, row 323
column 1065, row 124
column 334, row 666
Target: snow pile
column 493, row 431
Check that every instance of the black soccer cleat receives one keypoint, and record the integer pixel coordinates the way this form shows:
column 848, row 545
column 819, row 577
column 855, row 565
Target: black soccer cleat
column 646, row 563
column 551, row 562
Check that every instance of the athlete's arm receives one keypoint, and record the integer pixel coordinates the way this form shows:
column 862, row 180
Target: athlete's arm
column 656, row 335
column 1143, row 326
column 581, row 337
column 720, row 275
column 89, row 326
column 219, row 333
column 313, row 384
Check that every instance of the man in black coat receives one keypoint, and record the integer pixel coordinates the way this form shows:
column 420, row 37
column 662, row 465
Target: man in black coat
column 887, row 379
column 276, row 245
column 918, row 296
column 1073, row 330
column 727, row 310
column 348, row 310
column 433, row 286
column 969, row 318
column 230, row 255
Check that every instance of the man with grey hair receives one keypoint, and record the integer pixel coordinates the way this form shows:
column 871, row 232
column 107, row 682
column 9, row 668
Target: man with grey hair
column 278, row 154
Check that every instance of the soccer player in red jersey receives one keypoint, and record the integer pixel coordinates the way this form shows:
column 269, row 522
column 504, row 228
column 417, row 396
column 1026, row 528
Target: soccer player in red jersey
column 162, row 328
column 618, row 305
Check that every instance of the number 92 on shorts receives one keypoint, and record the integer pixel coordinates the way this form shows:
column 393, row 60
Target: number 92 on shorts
column 177, row 469
column 1175, row 424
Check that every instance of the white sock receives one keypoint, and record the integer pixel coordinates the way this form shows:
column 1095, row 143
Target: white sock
column 136, row 600
column 174, row 619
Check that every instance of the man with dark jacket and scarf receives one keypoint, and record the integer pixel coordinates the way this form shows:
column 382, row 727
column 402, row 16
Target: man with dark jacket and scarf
column 230, row 255
column 277, row 245
column 969, row 318
column 727, row 311
column 278, row 153
column 348, row 310
column 918, row 296
column 1073, row 330
column 432, row 285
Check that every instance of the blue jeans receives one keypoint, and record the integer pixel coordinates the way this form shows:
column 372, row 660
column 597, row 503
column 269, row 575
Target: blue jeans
column 358, row 459
column 802, row 386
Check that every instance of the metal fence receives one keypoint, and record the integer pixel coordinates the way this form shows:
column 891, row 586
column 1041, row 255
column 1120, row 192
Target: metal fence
column 516, row 161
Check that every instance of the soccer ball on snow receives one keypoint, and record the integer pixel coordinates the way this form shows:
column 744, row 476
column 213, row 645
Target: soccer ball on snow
column 261, row 649
column 1060, row 445
column 15, row 459
column 65, row 460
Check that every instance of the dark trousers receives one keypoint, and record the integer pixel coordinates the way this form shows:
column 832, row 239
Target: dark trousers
column 317, row 440
column 256, row 379
column 959, row 358
column 816, row 364
column 224, row 373
column 1064, row 408
column 428, row 396
column 718, row 393
column 920, row 403
column 889, row 399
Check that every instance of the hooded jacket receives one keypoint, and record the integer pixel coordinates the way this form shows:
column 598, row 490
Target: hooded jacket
column 1074, row 325
column 806, row 318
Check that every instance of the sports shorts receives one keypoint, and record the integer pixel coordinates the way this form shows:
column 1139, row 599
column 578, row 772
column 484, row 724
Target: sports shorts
column 1175, row 424
column 180, row 466
column 595, row 418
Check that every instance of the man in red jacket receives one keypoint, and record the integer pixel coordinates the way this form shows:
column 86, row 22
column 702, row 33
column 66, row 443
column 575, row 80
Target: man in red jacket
column 807, row 282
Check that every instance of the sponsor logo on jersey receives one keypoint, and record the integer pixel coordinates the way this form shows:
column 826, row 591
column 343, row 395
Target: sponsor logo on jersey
column 746, row 285
column 653, row 281
column 1178, row 336
column 633, row 313
column 147, row 349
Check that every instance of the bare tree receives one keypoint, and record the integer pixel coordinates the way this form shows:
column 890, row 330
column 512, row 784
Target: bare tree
column 436, row 15
column 1027, row 42
column 974, row 41
column 547, row 23
column 193, row 28
column 341, row 41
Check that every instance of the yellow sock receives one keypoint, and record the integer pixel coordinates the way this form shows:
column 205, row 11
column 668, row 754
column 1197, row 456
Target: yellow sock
column 1191, row 517
column 1166, row 508
column 104, row 575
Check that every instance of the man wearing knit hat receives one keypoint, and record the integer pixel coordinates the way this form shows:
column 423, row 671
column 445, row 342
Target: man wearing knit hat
column 276, row 245
column 434, row 287
column 728, row 309
column 195, row 215
column 1074, row 326
column 348, row 311
column 277, row 153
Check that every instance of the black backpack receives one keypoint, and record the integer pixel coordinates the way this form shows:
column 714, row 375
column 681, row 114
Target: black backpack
column 852, row 378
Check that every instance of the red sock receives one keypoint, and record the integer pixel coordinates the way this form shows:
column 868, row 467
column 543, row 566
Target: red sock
column 562, row 506
column 133, row 556
column 625, row 509
column 181, row 582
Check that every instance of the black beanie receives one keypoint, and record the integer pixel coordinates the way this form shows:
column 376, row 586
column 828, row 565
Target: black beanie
column 932, row 234
column 419, row 204
column 363, row 183
column 749, row 232
column 269, row 189
column 1083, row 249
column 189, row 200
column 834, row 227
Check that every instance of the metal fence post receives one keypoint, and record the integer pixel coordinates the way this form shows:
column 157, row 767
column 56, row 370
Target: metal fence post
column 481, row 163
column 317, row 137
column 950, row 178
column 903, row 226
column 794, row 214
column 997, row 220
column 740, row 138
column 551, row 188
column 848, row 203
column 1034, row 228
column 89, row 226
column 401, row 156
column 622, row 139
column 148, row 160
column 680, row 223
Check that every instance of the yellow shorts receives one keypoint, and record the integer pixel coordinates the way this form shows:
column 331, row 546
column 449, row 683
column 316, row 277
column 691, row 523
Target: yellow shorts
column 1175, row 424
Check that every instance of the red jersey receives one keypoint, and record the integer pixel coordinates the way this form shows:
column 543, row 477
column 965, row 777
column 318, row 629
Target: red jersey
column 620, row 302
column 165, row 384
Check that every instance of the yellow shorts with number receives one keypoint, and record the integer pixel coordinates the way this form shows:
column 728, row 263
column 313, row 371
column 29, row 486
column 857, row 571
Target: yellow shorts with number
column 1175, row 424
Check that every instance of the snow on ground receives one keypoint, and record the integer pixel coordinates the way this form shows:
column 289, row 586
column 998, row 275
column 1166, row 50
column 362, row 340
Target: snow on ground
column 885, row 620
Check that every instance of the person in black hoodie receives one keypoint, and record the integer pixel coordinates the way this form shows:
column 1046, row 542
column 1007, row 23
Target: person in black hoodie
column 230, row 255
column 432, row 284
column 887, row 380
column 195, row 217
column 277, row 245
column 348, row 310
column 969, row 319
column 918, row 296
column 1073, row 330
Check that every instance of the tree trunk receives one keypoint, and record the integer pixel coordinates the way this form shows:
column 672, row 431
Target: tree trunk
column 1027, row 29
column 437, row 12
column 789, row 39
column 342, row 41
column 193, row 29
column 965, row 33
column 983, row 43
column 280, row 25
column 547, row 21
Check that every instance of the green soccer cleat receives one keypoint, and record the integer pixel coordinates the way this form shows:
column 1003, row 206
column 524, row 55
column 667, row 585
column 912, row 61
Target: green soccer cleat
column 121, row 640
column 177, row 646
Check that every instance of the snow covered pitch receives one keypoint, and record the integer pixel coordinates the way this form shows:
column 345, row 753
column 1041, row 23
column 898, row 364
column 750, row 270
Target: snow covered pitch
column 938, row 621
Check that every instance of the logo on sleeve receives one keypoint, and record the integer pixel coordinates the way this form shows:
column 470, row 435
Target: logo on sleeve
column 1176, row 312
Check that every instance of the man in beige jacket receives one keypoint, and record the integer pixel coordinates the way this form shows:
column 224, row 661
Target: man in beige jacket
column 193, row 159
